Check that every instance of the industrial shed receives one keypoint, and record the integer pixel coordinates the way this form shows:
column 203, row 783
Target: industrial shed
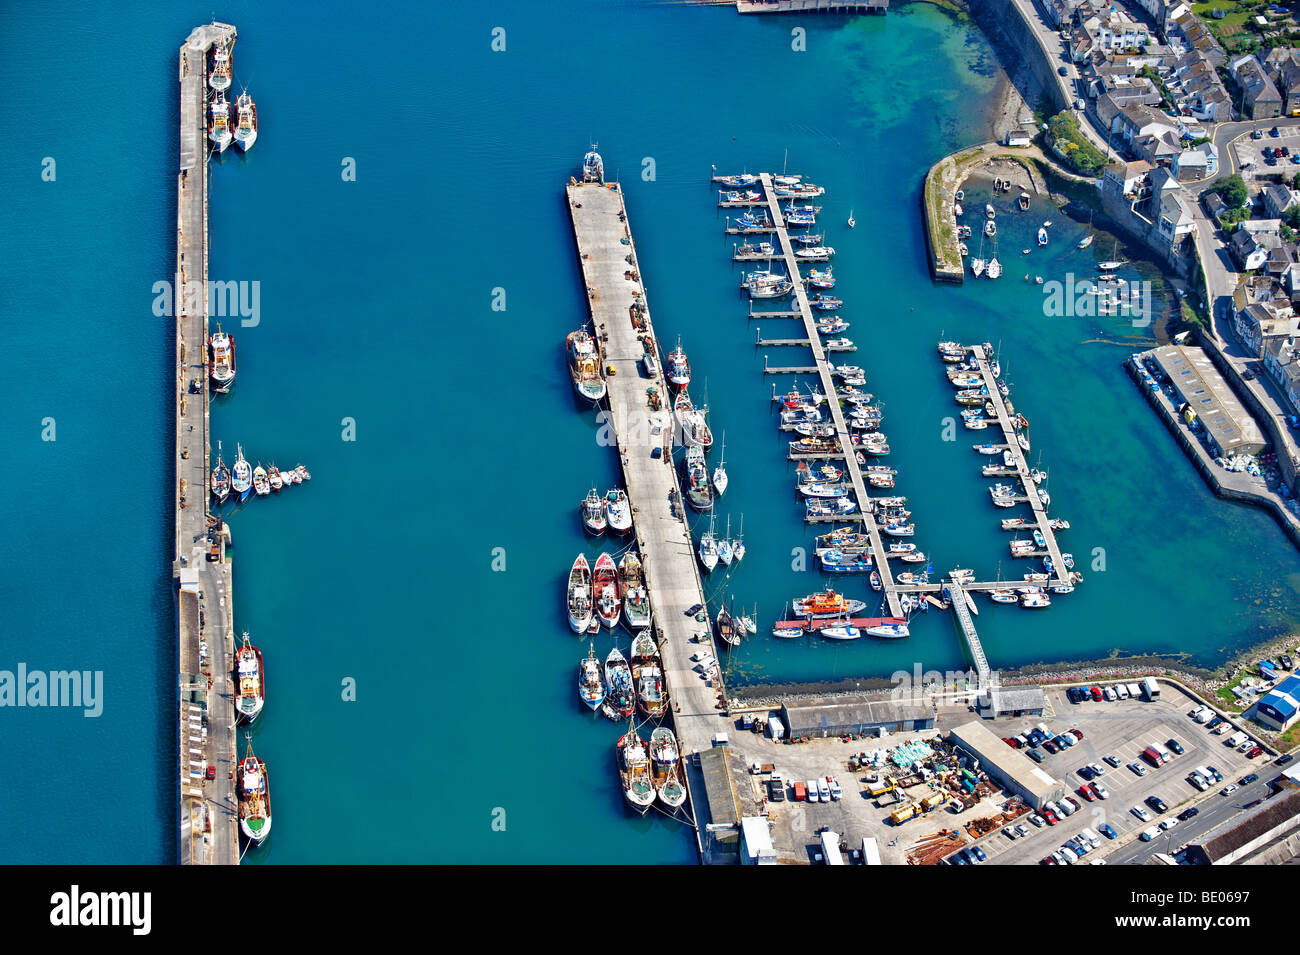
column 1008, row 767
column 1235, row 841
column 1012, row 701
column 1279, row 707
column 863, row 717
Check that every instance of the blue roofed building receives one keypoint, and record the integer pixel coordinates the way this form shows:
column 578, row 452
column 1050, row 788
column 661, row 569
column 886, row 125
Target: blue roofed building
column 1279, row 707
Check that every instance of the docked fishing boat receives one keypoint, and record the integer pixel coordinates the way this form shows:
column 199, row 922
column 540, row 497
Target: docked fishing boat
column 219, row 77
column 988, row 448
column 915, row 557
column 819, row 490
column 749, row 222
column 219, row 125
column 826, row 604
column 1004, row 596
column 579, row 595
column 888, row 631
column 697, row 488
column 252, row 681
column 275, row 477
column 838, row 562
column 844, row 539
column 634, row 771
column 261, row 483
column 775, row 289
column 618, row 511
column 648, row 676
column 820, row 278
column 592, row 509
column 807, row 239
column 829, row 507
column 605, row 587
column 816, row 446
column 636, row 601
column 584, row 365
column 835, row 326
column 728, row 633
column 1035, row 601
column 591, row 686
column 677, row 368
column 253, row 791
column 894, row 529
column 220, row 479
column 221, row 354
column 620, row 696
column 241, row 483
column 593, row 167
column 246, row 122
column 825, row 303
column 744, row 179
column 665, row 768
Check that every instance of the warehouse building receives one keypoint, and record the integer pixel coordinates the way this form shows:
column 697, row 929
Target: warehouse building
column 1012, row 701
column 1279, row 707
column 864, row 718
column 1228, row 427
column 1270, row 827
column 1009, row 768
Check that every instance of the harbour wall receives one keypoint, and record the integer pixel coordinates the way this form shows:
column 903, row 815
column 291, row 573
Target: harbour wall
column 1019, row 47
column 1210, row 471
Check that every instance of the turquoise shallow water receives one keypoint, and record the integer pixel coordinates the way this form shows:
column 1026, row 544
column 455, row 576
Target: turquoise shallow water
column 376, row 305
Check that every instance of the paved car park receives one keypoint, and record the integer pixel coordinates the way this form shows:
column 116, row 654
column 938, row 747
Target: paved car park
column 1123, row 729
column 1251, row 151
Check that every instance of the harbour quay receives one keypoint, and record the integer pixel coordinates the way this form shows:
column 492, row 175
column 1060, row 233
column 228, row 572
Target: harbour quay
column 613, row 282
column 208, row 822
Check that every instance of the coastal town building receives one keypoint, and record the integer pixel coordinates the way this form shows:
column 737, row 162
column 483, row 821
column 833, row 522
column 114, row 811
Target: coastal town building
column 1008, row 767
column 1282, row 364
column 1282, row 65
column 1259, row 97
column 1200, row 162
column 1014, row 701
column 1247, row 840
column 875, row 717
column 1228, row 428
column 1264, row 321
column 1277, row 199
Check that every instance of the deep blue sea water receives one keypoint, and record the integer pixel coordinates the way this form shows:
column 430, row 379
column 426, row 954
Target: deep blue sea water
column 376, row 305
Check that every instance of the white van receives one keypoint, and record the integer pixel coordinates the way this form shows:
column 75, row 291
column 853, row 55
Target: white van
column 812, row 791
column 1066, row 809
column 1121, row 691
column 1235, row 739
column 1109, row 694
column 1094, row 840
column 823, row 790
column 1134, row 690
column 1149, row 834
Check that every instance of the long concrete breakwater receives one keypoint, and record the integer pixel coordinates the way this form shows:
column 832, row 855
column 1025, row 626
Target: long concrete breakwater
column 615, row 293
column 207, row 820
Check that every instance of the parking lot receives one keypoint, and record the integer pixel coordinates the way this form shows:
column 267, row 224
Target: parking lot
column 1251, row 151
column 1123, row 729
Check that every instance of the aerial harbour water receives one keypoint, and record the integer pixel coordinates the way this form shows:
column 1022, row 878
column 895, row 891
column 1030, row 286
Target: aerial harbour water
column 409, row 345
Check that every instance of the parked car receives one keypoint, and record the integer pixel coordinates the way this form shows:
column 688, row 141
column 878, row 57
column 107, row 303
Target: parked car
column 979, row 854
column 1188, row 813
column 1097, row 769
column 1254, row 752
column 1199, row 781
column 1218, row 776
column 1086, row 792
column 1111, row 759
column 1049, row 817
column 1062, row 71
column 1037, row 820
column 1085, row 772
column 1076, row 733
column 1141, row 813
column 1167, row 824
column 1156, row 803
column 1138, row 768
column 1285, row 150
column 1228, row 790
column 1285, row 758
column 1101, row 791
column 1047, row 860
column 1021, row 829
column 1248, row 374
column 1096, row 693
column 1149, row 834
column 1274, row 132
column 1176, row 746
column 1257, row 134
column 1247, row 780
column 1035, row 754
column 1107, row 831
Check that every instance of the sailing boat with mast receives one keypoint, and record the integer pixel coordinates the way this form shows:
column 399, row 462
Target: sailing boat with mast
column 727, row 630
column 994, row 269
column 1087, row 239
column 724, row 545
column 852, row 221
column 977, row 263
column 709, row 548
column 1111, row 264
column 720, row 472
column 738, row 548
